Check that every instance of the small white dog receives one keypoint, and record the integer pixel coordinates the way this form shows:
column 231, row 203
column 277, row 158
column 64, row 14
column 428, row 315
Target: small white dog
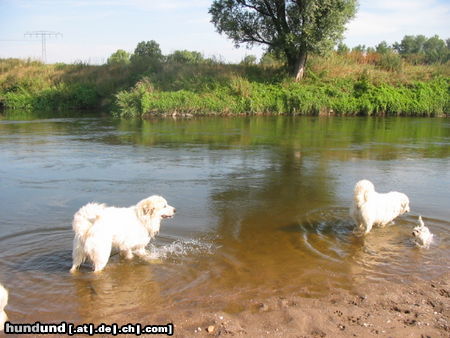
column 3, row 302
column 422, row 235
column 370, row 207
column 99, row 228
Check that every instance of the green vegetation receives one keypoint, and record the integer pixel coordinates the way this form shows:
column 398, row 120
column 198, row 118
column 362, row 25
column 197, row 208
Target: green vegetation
column 119, row 57
column 341, row 83
column 343, row 97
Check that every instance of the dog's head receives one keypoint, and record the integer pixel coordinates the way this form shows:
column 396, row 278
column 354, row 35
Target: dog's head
column 362, row 191
column 154, row 208
column 405, row 204
column 422, row 234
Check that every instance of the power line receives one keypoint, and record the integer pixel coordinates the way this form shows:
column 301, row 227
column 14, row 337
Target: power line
column 43, row 35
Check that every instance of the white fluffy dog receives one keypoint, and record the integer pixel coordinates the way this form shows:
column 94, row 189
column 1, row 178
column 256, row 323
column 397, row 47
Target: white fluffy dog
column 422, row 235
column 370, row 207
column 3, row 302
column 99, row 228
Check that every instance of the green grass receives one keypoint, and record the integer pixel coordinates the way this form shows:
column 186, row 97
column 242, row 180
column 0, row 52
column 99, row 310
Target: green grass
column 241, row 96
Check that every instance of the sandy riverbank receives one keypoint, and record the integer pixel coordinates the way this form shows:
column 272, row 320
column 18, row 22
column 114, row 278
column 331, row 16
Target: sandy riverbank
column 387, row 309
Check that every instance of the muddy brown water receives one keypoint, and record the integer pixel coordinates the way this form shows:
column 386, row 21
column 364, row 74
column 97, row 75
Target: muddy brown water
column 262, row 209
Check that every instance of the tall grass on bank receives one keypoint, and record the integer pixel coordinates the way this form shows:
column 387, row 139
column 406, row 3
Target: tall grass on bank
column 243, row 97
column 32, row 85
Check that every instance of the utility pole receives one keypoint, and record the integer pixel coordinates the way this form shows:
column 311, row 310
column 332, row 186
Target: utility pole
column 43, row 35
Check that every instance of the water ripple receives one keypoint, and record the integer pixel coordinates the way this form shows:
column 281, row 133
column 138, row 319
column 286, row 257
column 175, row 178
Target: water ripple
column 385, row 253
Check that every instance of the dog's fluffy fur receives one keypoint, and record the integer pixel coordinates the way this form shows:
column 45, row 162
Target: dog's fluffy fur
column 422, row 235
column 99, row 228
column 372, row 208
column 3, row 302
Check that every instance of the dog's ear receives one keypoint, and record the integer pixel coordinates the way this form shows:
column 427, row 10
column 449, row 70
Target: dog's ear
column 405, row 205
column 362, row 192
column 148, row 208
column 367, row 195
column 145, row 209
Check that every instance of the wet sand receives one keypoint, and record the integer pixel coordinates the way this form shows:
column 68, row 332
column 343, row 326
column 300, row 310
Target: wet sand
column 386, row 309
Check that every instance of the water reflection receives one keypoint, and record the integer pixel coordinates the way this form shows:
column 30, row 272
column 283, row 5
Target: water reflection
column 123, row 293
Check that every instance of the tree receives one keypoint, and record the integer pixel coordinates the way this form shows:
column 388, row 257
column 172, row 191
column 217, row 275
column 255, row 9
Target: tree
column 119, row 57
column 291, row 28
column 410, row 44
column 383, row 48
column 342, row 48
column 435, row 50
column 248, row 60
column 420, row 49
column 359, row 48
column 185, row 56
column 148, row 50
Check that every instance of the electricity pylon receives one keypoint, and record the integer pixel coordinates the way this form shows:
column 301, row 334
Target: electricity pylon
column 43, row 35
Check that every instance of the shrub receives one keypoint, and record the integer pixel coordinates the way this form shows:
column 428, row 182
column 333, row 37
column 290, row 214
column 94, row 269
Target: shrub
column 135, row 102
column 391, row 62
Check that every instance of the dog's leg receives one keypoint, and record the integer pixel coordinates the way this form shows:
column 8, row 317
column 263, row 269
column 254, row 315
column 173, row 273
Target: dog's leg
column 146, row 256
column 100, row 264
column 142, row 253
column 367, row 224
column 77, row 254
column 128, row 254
column 100, row 255
column 383, row 224
column 74, row 267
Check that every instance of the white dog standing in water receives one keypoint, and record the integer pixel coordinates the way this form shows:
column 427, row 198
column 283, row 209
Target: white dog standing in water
column 3, row 302
column 99, row 228
column 372, row 208
column 422, row 235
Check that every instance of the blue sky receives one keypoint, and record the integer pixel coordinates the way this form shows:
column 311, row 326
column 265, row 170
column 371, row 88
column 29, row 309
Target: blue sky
column 93, row 29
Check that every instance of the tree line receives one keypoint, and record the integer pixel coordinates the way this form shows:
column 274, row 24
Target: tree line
column 149, row 52
column 416, row 49
column 413, row 49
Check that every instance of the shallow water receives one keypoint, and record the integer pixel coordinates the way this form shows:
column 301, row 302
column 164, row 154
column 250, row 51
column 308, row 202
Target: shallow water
column 262, row 209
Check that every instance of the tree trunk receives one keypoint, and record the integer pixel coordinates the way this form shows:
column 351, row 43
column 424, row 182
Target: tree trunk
column 299, row 66
column 296, row 64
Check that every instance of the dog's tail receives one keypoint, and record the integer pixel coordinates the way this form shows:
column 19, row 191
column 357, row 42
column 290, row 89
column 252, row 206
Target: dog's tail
column 361, row 192
column 86, row 217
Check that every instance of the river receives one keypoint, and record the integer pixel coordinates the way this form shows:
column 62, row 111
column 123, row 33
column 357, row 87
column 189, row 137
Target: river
column 262, row 209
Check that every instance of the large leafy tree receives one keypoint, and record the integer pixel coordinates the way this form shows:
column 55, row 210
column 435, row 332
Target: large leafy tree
column 149, row 50
column 290, row 28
